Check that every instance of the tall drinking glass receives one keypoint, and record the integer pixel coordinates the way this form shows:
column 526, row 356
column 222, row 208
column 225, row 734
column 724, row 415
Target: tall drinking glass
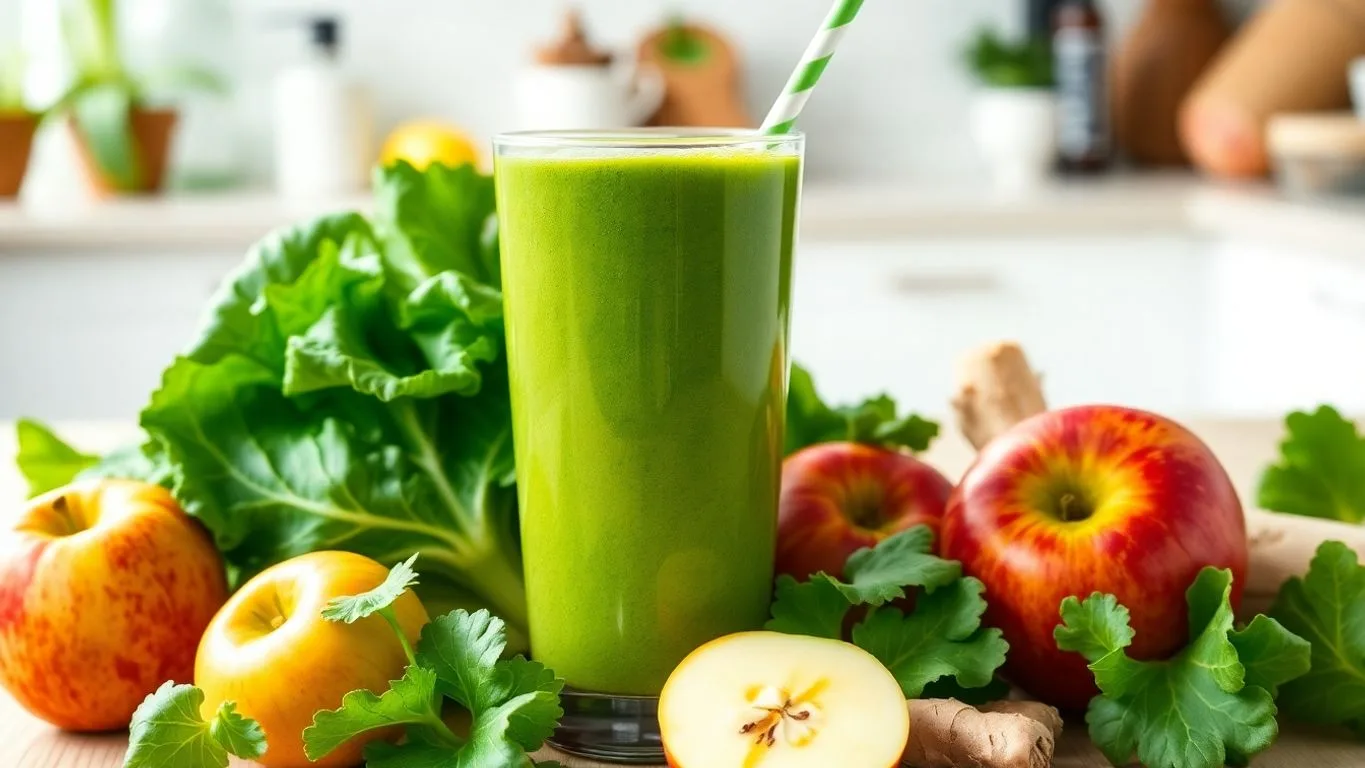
column 647, row 277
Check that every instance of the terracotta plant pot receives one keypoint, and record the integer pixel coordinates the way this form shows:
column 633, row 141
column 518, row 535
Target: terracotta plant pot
column 153, row 130
column 16, row 139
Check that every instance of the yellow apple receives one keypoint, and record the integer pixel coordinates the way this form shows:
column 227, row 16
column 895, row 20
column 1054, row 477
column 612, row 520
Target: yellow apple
column 105, row 588
column 271, row 651
column 782, row 701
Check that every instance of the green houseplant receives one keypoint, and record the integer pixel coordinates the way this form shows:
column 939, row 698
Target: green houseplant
column 1001, row 63
column 17, row 123
column 1013, row 113
column 123, row 138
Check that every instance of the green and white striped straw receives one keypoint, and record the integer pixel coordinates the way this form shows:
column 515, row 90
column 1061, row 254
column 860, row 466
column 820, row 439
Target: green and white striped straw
column 784, row 113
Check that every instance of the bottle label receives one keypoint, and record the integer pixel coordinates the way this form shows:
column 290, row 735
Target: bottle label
column 1082, row 109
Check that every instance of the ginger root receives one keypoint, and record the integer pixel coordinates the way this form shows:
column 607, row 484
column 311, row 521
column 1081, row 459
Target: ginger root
column 945, row 733
column 996, row 390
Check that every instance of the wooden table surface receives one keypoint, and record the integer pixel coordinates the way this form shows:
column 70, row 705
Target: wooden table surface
column 26, row 742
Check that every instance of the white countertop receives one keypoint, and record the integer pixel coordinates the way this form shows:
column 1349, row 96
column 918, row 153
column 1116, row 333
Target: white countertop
column 1171, row 202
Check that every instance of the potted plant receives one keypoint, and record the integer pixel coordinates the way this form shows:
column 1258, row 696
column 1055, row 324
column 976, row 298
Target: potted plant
column 123, row 137
column 17, row 124
column 1013, row 115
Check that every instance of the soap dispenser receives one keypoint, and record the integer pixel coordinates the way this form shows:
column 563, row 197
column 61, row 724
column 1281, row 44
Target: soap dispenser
column 323, row 122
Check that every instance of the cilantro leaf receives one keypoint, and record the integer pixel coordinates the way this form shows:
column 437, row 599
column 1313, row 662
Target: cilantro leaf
column 1202, row 707
column 514, row 703
column 168, row 730
column 1094, row 627
column 355, row 607
column 239, row 734
column 410, row 700
column 881, row 574
column 1321, row 471
column 536, row 687
column 463, row 648
column 814, row 607
column 1327, row 606
column 810, row 420
column 44, row 459
column 941, row 638
column 875, row 576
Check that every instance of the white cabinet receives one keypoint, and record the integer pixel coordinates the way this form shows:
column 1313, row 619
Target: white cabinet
column 86, row 334
column 1290, row 330
column 1104, row 318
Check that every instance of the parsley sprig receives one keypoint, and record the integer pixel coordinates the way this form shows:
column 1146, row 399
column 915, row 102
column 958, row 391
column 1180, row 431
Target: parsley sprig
column 1327, row 606
column 513, row 703
column 940, row 644
column 1321, row 468
column 1211, row 703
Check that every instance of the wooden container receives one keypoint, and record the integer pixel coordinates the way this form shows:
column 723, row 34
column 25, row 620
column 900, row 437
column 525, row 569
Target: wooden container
column 16, row 140
column 1155, row 69
column 702, row 89
column 153, row 130
column 1291, row 57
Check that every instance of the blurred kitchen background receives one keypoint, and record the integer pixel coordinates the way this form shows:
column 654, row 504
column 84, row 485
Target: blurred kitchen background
column 978, row 169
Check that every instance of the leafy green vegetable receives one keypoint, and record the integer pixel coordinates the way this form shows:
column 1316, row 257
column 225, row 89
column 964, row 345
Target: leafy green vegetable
column 167, row 730
column 874, row 421
column 879, row 575
column 940, row 644
column 348, row 390
column 814, row 607
column 355, row 607
column 941, row 638
column 514, row 703
column 1213, row 702
column 408, row 701
column 1327, row 606
column 1321, row 471
column 44, row 460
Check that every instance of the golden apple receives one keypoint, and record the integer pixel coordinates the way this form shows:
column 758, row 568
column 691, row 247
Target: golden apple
column 105, row 588
column 271, row 651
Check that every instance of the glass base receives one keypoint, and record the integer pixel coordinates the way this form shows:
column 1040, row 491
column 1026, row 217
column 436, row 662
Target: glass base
column 609, row 727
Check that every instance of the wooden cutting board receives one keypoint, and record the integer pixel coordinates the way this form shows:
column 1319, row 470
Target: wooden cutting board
column 26, row 742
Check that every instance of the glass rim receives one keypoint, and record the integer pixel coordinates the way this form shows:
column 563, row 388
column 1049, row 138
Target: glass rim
column 645, row 138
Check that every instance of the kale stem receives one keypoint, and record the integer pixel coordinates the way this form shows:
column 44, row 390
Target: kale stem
column 387, row 613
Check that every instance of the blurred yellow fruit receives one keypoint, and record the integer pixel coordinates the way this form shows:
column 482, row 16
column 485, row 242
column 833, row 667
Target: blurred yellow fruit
column 424, row 142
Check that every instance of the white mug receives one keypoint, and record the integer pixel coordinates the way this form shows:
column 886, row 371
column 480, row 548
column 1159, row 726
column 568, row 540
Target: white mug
column 581, row 96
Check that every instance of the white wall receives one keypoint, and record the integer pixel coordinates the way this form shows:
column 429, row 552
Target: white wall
column 891, row 106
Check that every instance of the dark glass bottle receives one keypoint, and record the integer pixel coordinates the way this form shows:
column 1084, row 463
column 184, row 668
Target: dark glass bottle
column 1078, row 51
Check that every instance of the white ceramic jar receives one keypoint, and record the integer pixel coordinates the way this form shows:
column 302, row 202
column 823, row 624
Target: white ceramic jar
column 1015, row 131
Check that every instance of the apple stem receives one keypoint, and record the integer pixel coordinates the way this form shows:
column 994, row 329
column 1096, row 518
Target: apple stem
column 1065, row 503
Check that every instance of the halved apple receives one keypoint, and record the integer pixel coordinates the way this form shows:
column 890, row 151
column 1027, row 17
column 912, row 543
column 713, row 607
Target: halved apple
column 769, row 700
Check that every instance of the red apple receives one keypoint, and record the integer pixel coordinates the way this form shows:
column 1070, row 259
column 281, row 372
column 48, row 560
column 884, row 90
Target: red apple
column 105, row 588
column 838, row 498
column 1094, row 498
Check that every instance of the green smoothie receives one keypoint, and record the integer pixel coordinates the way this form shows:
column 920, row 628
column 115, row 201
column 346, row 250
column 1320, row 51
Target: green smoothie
column 647, row 300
